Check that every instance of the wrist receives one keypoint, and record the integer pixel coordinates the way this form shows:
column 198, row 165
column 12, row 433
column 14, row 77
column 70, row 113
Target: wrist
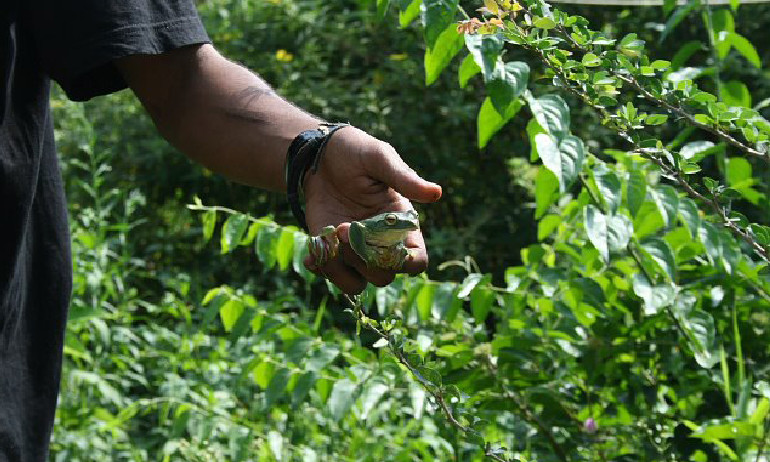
column 303, row 159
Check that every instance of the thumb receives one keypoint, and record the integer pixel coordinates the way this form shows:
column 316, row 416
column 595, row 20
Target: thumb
column 389, row 168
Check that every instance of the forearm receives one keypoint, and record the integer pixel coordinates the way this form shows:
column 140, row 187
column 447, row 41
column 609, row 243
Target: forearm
column 221, row 115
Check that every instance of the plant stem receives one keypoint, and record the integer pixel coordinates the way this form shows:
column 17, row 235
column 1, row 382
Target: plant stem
column 398, row 354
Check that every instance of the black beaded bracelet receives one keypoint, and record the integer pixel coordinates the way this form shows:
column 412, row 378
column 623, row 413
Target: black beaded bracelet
column 305, row 154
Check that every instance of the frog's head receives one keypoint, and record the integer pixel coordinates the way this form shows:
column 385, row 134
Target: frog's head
column 390, row 227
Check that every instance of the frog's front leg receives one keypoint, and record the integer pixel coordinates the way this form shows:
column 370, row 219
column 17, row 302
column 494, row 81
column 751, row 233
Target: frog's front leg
column 325, row 246
column 357, row 237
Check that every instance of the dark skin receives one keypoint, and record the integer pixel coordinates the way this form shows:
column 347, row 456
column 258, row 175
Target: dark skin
column 228, row 119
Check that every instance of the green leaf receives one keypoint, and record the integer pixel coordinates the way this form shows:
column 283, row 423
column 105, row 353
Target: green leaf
column 722, row 21
column 696, row 150
column 232, row 231
column 267, row 238
column 277, row 386
column 469, row 283
column 656, row 119
column 591, row 60
column 508, row 82
column 662, row 255
column 429, row 377
column 564, row 160
column 467, row 70
column 761, row 232
column 619, row 232
column 481, row 302
column 490, row 121
column 215, row 298
column 738, row 171
column 648, row 220
column 709, row 237
column 275, row 442
column 299, row 347
column 546, row 188
column 735, row 93
column 725, row 431
column 703, row 119
column 551, row 112
column 688, row 213
column 485, row 50
column 544, row 23
column 701, row 336
column 546, row 226
column 631, row 46
column 251, row 234
column 596, row 228
column 548, row 151
column 676, row 18
column 382, row 8
column 572, row 154
column 322, row 357
column 285, row 248
column 209, row 219
column 636, row 191
column 410, row 10
column 684, row 53
column 425, row 301
column 533, row 129
column 446, row 304
column 745, row 48
column 609, row 187
column 437, row 15
column 438, row 56
column 667, row 200
column 371, row 395
column 300, row 251
column 263, row 373
column 230, row 311
column 654, row 297
column 303, row 386
column 341, row 398
column 243, row 324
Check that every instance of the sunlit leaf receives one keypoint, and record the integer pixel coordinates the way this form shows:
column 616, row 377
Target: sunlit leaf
column 232, row 231
column 341, row 398
column 438, row 56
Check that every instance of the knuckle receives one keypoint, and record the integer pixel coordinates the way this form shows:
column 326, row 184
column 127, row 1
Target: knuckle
column 382, row 281
column 356, row 288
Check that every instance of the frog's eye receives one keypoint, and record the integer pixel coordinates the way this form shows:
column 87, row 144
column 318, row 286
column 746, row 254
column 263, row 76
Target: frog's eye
column 391, row 219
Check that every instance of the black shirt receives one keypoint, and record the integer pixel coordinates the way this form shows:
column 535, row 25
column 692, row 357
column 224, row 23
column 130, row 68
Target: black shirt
column 73, row 42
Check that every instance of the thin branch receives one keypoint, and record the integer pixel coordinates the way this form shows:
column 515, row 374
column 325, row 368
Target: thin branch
column 398, row 354
column 681, row 112
column 677, row 110
column 711, row 202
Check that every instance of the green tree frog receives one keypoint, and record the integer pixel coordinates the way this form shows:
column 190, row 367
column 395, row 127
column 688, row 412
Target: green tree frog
column 378, row 240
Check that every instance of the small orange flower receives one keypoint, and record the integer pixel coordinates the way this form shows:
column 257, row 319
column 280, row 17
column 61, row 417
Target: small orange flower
column 471, row 26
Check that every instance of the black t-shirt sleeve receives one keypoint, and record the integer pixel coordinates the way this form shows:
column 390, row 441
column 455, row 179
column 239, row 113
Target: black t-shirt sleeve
column 78, row 40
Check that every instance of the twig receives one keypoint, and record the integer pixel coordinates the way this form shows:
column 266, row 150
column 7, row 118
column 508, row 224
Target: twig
column 398, row 354
column 673, row 109
column 679, row 111
column 711, row 202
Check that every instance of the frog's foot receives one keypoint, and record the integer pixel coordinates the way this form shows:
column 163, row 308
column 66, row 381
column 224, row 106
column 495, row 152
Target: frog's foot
column 325, row 246
column 391, row 258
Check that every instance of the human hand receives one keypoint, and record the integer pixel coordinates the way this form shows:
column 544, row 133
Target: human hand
column 361, row 176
